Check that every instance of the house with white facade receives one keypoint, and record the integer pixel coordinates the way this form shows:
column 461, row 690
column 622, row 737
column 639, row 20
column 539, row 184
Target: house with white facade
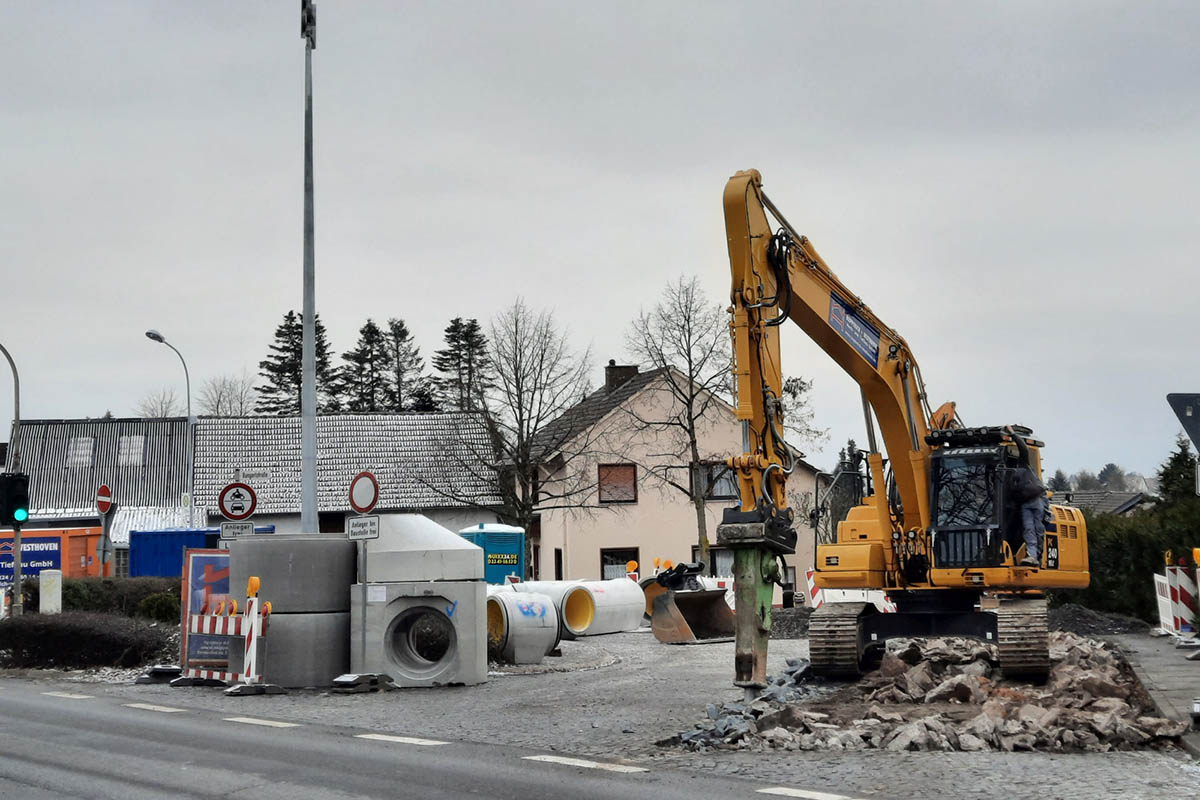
column 632, row 504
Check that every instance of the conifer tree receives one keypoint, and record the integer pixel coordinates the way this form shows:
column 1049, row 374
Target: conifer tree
column 363, row 380
column 283, row 370
column 1177, row 475
column 1060, row 482
column 407, row 388
column 464, row 366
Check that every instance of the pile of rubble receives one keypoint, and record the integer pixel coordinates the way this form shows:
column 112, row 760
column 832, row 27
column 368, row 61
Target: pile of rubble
column 948, row 694
column 1087, row 622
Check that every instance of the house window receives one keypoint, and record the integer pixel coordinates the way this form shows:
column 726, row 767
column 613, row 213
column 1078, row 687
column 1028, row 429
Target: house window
column 618, row 483
column 720, row 482
column 129, row 450
column 720, row 561
column 613, row 562
column 121, row 562
column 79, row 451
column 558, row 564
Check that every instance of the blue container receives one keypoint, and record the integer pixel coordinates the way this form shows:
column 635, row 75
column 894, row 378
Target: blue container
column 159, row 554
column 503, row 550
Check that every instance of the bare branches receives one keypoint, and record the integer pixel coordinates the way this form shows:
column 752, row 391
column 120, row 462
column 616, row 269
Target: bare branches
column 228, row 395
column 160, row 404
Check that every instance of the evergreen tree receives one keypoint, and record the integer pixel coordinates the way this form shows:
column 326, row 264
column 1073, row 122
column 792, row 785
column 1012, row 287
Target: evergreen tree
column 1086, row 481
column 363, row 380
column 1177, row 475
column 407, row 388
column 1060, row 482
column 1112, row 478
column 283, row 370
column 464, row 366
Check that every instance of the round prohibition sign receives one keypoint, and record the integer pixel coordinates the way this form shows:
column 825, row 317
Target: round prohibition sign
column 104, row 499
column 237, row 501
column 364, row 492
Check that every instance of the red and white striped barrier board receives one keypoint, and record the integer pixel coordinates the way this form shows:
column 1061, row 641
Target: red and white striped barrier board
column 1182, row 586
column 248, row 626
column 818, row 597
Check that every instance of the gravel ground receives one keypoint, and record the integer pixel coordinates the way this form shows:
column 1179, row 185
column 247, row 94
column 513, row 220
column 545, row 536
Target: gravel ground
column 650, row 691
column 1086, row 622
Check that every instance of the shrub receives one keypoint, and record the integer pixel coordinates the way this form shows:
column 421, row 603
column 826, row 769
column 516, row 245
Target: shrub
column 80, row 639
column 161, row 607
column 115, row 595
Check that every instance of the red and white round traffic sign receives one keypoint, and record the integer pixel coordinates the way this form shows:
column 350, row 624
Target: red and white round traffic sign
column 237, row 501
column 103, row 499
column 364, row 492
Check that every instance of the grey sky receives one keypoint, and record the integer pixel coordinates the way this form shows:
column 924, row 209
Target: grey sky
column 1013, row 187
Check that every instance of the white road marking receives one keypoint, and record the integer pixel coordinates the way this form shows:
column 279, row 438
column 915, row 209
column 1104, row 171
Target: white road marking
column 784, row 791
column 69, row 696
column 270, row 723
column 582, row 762
column 383, row 737
column 152, row 707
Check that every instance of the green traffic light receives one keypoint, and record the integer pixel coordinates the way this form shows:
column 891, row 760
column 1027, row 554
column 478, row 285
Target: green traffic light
column 21, row 514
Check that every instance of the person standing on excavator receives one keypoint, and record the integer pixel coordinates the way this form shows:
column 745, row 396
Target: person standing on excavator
column 1029, row 496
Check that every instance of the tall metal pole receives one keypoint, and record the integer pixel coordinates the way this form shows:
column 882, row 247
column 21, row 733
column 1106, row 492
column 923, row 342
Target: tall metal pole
column 308, row 392
column 187, row 382
column 18, row 606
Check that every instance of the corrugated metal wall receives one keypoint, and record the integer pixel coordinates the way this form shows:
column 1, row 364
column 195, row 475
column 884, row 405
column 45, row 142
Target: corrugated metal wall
column 68, row 459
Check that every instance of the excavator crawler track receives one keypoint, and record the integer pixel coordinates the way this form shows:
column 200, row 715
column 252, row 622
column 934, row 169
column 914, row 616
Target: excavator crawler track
column 1022, row 639
column 835, row 640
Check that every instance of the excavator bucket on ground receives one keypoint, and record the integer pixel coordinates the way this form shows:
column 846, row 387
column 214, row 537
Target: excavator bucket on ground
column 692, row 617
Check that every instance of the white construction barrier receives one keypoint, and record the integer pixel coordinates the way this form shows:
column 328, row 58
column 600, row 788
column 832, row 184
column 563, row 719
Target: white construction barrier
column 1166, row 611
column 249, row 626
column 1182, row 585
column 818, row 597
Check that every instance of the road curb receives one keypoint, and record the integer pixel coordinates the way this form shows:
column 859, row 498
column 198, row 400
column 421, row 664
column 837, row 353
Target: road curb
column 1190, row 741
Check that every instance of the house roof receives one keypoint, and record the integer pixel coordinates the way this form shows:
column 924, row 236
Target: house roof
column 146, row 462
column 1100, row 502
column 588, row 412
column 421, row 461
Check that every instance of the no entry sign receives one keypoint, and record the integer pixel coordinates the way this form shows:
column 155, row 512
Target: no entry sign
column 237, row 501
column 364, row 492
column 103, row 499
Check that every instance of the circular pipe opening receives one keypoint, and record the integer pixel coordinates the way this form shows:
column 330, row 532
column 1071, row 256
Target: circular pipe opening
column 497, row 625
column 422, row 642
column 578, row 610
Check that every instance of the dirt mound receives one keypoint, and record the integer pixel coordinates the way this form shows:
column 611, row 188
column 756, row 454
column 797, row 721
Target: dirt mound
column 949, row 694
column 790, row 623
column 1086, row 622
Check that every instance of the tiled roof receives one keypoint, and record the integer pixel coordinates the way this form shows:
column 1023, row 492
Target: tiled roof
column 586, row 413
column 1100, row 502
column 421, row 461
column 144, row 461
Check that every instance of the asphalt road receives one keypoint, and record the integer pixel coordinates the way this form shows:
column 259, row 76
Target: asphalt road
column 57, row 744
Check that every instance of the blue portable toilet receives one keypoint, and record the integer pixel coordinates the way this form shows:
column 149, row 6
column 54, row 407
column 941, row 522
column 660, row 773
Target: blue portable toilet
column 503, row 549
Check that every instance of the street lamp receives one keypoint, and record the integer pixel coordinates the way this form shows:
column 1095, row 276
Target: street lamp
column 154, row 335
column 158, row 337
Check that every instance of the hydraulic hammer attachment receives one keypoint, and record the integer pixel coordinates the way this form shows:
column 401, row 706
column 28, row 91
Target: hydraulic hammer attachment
column 756, row 550
column 681, row 614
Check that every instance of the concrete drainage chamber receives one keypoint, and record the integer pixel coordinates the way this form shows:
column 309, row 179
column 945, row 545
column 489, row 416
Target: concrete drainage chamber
column 418, row 615
column 306, row 578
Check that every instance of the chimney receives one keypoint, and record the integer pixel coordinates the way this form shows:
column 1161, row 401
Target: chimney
column 614, row 376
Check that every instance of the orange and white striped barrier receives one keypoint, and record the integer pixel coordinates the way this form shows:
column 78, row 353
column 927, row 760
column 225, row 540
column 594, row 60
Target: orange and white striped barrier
column 818, row 597
column 1182, row 586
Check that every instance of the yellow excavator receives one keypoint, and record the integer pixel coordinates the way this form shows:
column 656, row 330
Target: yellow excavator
column 934, row 530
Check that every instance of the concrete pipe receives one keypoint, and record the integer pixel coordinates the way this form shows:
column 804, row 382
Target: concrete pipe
column 301, row 573
column 576, row 606
column 522, row 626
column 619, row 606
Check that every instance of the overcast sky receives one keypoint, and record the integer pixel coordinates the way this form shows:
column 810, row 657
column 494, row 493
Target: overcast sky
column 1012, row 186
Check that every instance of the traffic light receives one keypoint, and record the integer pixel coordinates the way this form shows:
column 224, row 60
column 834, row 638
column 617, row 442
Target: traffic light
column 14, row 498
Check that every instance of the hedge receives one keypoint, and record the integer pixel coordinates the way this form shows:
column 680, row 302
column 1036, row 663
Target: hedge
column 117, row 595
column 77, row 639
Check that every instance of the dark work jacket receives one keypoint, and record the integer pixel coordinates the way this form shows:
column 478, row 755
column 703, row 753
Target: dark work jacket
column 1023, row 483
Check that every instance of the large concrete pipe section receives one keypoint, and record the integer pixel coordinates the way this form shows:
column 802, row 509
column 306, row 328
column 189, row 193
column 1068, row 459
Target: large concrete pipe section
column 576, row 606
column 522, row 626
column 618, row 604
column 307, row 579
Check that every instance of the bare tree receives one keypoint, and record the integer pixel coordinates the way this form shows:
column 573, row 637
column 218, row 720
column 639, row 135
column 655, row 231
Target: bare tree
column 159, row 404
column 686, row 339
column 534, row 449
column 228, row 395
column 798, row 416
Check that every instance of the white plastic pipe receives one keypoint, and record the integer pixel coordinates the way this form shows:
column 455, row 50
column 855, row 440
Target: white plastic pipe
column 619, row 606
column 576, row 606
column 522, row 626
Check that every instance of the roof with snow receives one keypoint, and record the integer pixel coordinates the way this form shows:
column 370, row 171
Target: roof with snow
column 421, row 460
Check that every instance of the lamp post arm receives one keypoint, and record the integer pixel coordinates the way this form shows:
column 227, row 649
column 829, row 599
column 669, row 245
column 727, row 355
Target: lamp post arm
column 16, row 431
column 187, row 380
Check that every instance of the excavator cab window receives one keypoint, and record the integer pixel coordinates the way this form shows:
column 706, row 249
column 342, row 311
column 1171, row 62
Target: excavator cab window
column 967, row 506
